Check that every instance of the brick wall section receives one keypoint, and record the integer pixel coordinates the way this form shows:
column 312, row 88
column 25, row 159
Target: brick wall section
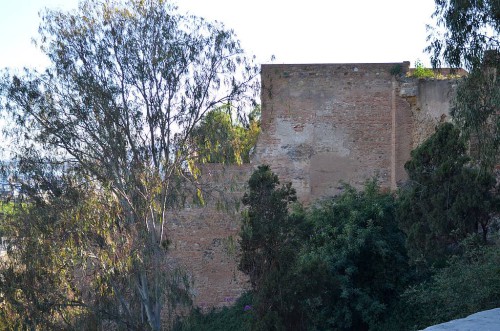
column 430, row 101
column 433, row 105
column 325, row 123
column 204, row 239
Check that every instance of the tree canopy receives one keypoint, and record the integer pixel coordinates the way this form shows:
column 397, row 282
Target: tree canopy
column 464, row 31
column 271, row 237
column 338, row 265
column 445, row 199
column 221, row 139
column 467, row 33
column 129, row 82
column 476, row 110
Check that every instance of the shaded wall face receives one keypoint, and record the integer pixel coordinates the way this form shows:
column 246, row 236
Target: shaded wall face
column 322, row 124
column 432, row 107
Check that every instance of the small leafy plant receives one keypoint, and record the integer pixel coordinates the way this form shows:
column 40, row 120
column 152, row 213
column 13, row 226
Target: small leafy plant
column 421, row 71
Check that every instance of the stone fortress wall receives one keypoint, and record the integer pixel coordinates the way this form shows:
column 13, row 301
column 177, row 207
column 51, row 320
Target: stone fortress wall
column 325, row 123
column 321, row 124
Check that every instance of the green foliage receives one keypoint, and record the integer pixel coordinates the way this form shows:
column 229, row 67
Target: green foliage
column 338, row 266
column 265, row 225
column 238, row 317
column 271, row 238
column 472, row 38
column 444, row 200
column 112, row 117
column 470, row 28
column 7, row 209
column 219, row 140
column 342, row 264
column 354, row 264
column 476, row 111
column 36, row 283
column 70, row 261
column 422, row 72
column 467, row 284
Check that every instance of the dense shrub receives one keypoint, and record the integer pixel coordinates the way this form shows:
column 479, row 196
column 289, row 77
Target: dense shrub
column 343, row 263
column 271, row 237
column 354, row 264
column 236, row 318
column 469, row 283
column 445, row 200
column 338, row 266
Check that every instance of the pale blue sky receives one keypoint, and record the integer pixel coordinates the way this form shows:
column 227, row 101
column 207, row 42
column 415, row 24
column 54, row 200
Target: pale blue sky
column 313, row 31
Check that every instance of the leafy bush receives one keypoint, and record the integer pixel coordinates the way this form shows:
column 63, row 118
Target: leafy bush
column 354, row 264
column 422, row 72
column 444, row 200
column 236, row 318
column 271, row 238
column 468, row 284
column 343, row 264
column 339, row 265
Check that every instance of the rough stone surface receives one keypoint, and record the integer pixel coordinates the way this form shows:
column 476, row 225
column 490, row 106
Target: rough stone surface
column 327, row 123
column 433, row 104
column 488, row 320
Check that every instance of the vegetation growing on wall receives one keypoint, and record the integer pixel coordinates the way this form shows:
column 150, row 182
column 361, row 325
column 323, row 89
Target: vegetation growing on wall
column 422, row 72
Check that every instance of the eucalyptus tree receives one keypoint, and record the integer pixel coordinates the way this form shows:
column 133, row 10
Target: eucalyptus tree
column 467, row 33
column 463, row 31
column 128, row 83
column 476, row 110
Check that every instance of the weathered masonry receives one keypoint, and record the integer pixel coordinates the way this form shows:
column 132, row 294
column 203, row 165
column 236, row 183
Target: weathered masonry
column 326, row 123
column 321, row 124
